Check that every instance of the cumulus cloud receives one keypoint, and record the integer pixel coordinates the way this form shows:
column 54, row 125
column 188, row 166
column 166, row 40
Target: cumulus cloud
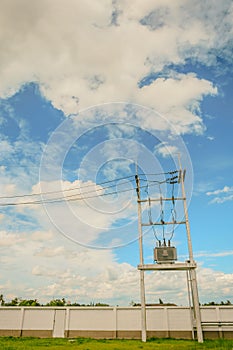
column 76, row 68
column 221, row 195
column 215, row 285
column 166, row 150
column 42, row 235
column 50, row 252
column 83, row 211
column 56, row 268
column 77, row 277
column 9, row 239
column 82, row 54
column 120, row 284
column 225, row 189
column 214, row 255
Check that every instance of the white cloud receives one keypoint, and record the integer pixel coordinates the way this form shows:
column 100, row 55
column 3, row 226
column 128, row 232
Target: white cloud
column 57, row 268
column 221, row 200
column 225, row 189
column 42, row 271
column 119, row 283
column 42, row 235
column 214, row 255
column 87, row 61
column 6, row 149
column 166, row 150
column 83, row 214
column 215, row 285
column 50, row 252
column 10, row 239
column 221, row 195
column 177, row 98
column 79, row 60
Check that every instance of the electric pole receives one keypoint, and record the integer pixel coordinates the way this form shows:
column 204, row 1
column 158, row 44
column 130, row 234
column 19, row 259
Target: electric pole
column 165, row 254
column 142, row 281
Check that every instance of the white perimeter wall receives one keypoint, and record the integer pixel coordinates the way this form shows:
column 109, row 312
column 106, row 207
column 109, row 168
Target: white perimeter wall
column 61, row 320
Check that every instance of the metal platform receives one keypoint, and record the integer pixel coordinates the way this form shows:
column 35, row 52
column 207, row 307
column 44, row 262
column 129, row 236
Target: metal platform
column 168, row 266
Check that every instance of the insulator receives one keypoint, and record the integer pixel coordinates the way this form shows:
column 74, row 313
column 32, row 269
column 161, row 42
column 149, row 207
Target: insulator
column 184, row 173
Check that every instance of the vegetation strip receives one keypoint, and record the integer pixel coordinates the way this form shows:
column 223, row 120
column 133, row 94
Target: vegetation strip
column 10, row 343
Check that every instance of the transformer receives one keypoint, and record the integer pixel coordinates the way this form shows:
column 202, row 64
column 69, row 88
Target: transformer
column 164, row 254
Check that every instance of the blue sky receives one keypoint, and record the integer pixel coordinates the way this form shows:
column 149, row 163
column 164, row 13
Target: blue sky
column 118, row 83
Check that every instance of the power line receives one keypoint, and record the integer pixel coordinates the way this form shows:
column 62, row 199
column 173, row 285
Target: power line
column 85, row 186
column 66, row 190
column 59, row 200
column 81, row 196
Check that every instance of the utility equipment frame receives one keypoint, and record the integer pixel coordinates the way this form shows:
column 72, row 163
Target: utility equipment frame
column 189, row 266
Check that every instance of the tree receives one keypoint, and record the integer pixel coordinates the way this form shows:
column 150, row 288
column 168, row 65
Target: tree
column 13, row 302
column 210, row 303
column 57, row 302
column 2, row 302
column 133, row 303
column 30, row 302
column 75, row 304
column 101, row 304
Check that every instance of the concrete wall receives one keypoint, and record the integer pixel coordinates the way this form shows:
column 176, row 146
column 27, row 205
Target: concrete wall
column 113, row 322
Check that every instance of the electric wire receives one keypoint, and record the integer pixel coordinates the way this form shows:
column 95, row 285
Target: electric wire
column 66, row 190
column 172, row 181
column 173, row 212
column 77, row 196
column 72, row 195
column 85, row 186
column 151, row 220
column 92, row 191
column 150, row 214
column 161, row 210
column 64, row 199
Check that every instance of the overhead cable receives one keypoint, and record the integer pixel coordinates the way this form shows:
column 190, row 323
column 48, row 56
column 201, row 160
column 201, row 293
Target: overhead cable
column 77, row 196
column 84, row 186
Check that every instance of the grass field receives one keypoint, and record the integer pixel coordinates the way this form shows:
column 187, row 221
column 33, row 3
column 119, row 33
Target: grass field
column 9, row 343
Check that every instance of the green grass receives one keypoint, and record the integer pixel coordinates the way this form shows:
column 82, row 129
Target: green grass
column 10, row 343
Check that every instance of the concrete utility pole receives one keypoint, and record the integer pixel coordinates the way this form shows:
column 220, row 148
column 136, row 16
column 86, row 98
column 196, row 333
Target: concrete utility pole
column 142, row 282
column 189, row 266
column 193, row 278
